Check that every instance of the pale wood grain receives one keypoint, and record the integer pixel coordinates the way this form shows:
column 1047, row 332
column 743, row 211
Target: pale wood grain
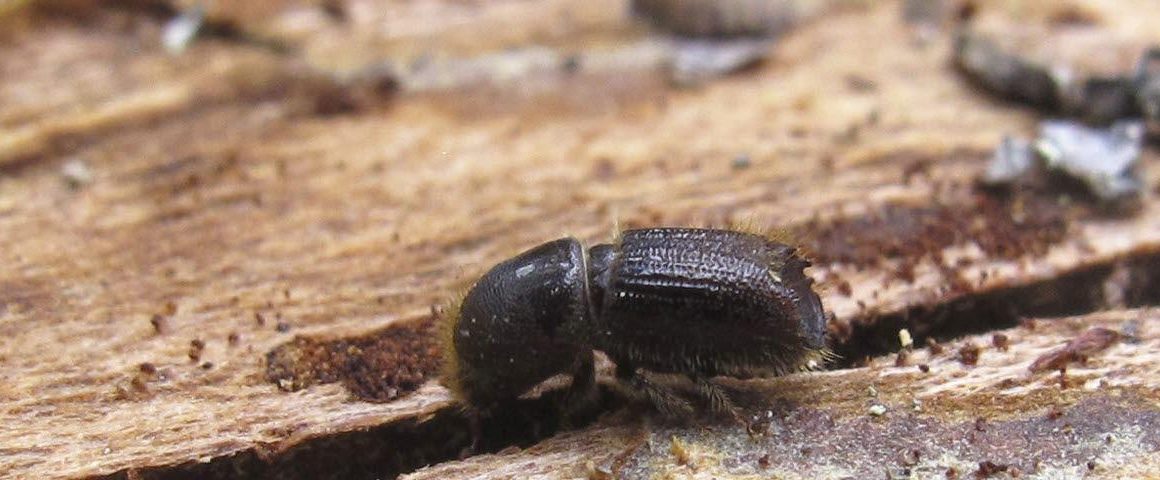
column 218, row 190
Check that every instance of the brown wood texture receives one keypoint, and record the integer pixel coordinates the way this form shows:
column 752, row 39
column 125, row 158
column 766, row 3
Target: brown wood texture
column 940, row 416
column 272, row 182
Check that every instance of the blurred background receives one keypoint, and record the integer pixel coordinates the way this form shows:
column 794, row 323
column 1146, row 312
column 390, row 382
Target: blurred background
column 227, row 228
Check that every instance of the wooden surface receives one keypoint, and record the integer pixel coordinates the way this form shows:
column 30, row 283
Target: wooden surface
column 940, row 417
column 277, row 173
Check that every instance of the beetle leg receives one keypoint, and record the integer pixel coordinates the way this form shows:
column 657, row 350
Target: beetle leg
column 662, row 398
column 475, row 429
column 718, row 398
column 582, row 393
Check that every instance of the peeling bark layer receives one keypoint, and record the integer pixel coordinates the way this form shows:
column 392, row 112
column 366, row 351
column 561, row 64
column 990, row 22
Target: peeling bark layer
column 312, row 179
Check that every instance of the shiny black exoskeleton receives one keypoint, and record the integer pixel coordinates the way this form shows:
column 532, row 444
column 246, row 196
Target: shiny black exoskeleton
column 698, row 302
